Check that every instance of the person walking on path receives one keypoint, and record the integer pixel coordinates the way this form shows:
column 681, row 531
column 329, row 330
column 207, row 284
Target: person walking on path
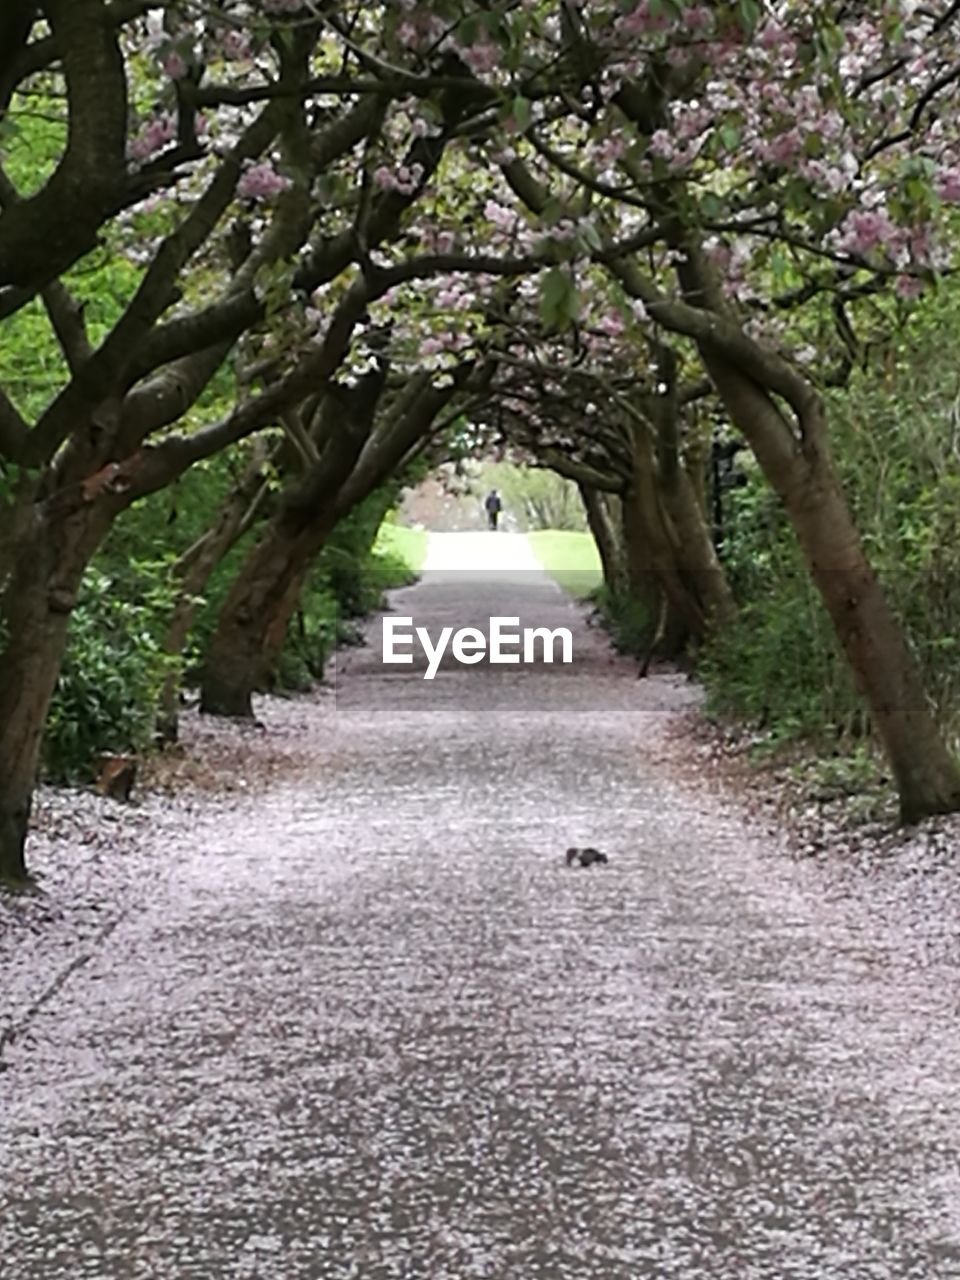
column 493, row 507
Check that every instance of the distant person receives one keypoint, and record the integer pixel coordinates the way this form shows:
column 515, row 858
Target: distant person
column 493, row 507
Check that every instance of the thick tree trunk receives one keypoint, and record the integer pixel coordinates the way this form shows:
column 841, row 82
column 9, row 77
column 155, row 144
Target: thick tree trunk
column 697, row 557
column 266, row 589
column 195, row 570
column 684, row 517
column 278, row 625
column 792, row 447
column 236, row 664
column 672, row 614
column 654, row 547
column 38, row 601
column 606, row 525
column 275, row 635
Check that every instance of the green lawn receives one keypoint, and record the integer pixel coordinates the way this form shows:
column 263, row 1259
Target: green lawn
column 408, row 545
column 571, row 558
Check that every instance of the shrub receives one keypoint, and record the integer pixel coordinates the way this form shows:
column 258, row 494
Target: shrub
column 106, row 696
column 895, row 439
column 626, row 619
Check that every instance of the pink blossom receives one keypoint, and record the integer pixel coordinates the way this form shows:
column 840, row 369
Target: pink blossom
column 174, row 65
column 236, row 46
column 920, row 245
column 156, row 135
column 948, row 185
column 643, row 21
column 499, row 215
column 261, row 181
column 405, row 180
column 692, row 122
column 611, row 149
column 408, row 179
column 828, row 177
column 482, row 57
column 697, row 18
column 662, row 145
column 612, row 324
column 774, row 36
column 867, row 229
column 909, row 287
column 782, row 150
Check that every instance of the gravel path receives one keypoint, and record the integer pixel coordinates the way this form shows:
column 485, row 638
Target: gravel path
column 366, row 1024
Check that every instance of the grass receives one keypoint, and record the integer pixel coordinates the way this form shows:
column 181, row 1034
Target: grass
column 571, row 559
column 400, row 543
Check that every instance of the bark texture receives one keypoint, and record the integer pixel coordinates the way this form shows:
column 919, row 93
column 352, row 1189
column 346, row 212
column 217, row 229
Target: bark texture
column 39, row 598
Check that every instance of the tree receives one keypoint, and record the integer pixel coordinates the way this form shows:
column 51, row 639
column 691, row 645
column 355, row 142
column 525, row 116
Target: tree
column 360, row 436
column 103, row 439
column 755, row 151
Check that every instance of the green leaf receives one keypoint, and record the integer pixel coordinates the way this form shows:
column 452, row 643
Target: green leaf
column 553, row 211
column 711, row 206
column 590, row 237
column 730, row 136
column 469, row 29
column 749, row 12
column 559, row 299
column 521, row 112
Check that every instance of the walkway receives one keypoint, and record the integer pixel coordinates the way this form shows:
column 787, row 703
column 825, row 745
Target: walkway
column 370, row 1027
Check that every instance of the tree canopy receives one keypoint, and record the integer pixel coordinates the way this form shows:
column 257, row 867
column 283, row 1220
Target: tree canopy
column 309, row 235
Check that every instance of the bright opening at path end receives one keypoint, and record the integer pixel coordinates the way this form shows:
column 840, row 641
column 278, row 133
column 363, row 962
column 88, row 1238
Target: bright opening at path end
column 497, row 552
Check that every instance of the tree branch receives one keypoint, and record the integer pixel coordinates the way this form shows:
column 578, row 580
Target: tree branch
column 40, row 237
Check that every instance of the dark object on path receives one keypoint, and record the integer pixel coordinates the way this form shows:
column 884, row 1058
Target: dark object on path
column 117, row 776
column 493, row 506
column 586, row 858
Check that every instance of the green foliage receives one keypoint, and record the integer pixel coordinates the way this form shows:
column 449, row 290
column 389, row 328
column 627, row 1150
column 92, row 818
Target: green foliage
column 896, row 440
column 397, row 542
column 627, row 620
column 559, row 299
column 777, row 666
column 106, row 696
column 572, row 559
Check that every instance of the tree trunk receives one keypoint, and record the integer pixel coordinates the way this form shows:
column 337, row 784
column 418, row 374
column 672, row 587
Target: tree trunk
column 265, row 589
column 656, row 549
column 38, row 601
column 606, row 525
column 278, row 625
column 195, row 571
column 684, row 517
column 697, row 557
column 783, row 419
column 653, row 583
column 275, row 634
